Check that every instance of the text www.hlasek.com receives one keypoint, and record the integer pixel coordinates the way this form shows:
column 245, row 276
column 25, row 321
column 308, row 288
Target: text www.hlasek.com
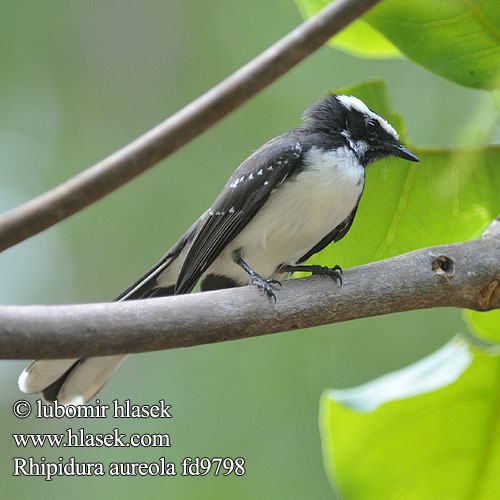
column 80, row 439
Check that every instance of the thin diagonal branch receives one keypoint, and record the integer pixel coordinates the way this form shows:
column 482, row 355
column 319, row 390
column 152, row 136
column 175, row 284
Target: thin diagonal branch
column 459, row 275
column 122, row 166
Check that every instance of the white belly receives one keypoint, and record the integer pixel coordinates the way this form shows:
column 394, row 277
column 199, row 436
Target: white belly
column 298, row 215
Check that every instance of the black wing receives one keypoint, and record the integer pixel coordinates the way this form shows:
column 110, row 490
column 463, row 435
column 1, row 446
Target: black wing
column 242, row 197
column 336, row 235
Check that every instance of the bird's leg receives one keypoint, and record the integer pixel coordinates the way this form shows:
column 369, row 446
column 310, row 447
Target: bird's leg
column 334, row 272
column 257, row 279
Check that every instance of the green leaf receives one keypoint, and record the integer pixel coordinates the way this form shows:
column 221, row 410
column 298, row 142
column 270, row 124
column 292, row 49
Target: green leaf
column 458, row 40
column 451, row 196
column 485, row 325
column 431, row 430
column 359, row 38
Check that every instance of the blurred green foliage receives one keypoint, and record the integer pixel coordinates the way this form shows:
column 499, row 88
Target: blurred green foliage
column 457, row 40
column 427, row 431
column 80, row 79
column 485, row 324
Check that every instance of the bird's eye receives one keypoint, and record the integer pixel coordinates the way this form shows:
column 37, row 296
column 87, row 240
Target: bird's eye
column 372, row 126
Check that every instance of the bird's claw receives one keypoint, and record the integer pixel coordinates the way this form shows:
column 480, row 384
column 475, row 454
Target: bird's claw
column 334, row 272
column 265, row 285
column 272, row 281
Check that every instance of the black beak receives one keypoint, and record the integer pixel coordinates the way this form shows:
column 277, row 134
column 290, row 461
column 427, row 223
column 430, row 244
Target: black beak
column 401, row 152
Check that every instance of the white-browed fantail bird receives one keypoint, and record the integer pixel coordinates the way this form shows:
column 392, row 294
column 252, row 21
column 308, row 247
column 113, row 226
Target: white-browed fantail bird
column 291, row 198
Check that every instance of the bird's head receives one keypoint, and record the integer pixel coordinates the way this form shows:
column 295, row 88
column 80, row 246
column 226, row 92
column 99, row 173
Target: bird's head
column 364, row 131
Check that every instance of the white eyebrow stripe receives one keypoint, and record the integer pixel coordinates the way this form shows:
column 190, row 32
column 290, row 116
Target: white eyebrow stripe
column 351, row 102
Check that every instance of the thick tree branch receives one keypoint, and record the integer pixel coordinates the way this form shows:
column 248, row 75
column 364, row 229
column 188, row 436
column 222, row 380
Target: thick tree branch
column 115, row 170
column 459, row 275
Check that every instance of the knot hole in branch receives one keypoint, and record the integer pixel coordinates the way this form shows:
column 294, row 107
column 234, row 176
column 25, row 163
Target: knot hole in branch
column 443, row 266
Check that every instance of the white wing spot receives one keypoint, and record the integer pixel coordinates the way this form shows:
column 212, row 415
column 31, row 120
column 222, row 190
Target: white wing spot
column 259, row 172
column 235, row 183
column 231, row 210
column 270, row 168
column 266, row 183
column 250, row 177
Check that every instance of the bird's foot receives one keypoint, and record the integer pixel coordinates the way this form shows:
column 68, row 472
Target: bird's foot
column 334, row 272
column 265, row 285
column 257, row 279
